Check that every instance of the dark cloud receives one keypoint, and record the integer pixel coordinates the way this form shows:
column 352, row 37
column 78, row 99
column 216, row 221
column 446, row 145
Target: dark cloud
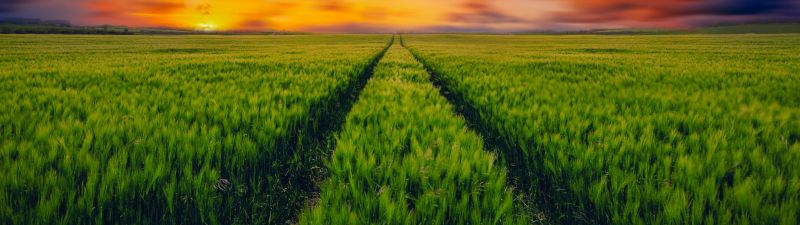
column 779, row 15
column 7, row 6
column 481, row 12
column 204, row 9
column 739, row 7
column 600, row 11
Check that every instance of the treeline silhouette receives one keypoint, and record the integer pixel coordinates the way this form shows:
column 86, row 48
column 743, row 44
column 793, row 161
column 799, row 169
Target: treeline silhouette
column 51, row 29
column 38, row 26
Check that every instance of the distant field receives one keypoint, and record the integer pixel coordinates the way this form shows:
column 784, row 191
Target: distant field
column 449, row 129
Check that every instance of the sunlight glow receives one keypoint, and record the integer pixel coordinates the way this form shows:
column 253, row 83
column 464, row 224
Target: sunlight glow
column 333, row 15
column 206, row 27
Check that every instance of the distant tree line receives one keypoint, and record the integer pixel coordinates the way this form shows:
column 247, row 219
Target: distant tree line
column 38, row 26
column 51, row 29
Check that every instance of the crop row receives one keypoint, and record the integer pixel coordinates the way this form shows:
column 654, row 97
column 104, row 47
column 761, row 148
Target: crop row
column 636, row 129
column 404, row 157
column 168, row 130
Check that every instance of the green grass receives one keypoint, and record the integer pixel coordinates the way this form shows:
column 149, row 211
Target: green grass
column 404, row 157
column 168, row 130
column 697, row 129
column 587, row 129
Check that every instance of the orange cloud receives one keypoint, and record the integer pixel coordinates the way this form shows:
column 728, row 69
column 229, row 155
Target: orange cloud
column 481, row 12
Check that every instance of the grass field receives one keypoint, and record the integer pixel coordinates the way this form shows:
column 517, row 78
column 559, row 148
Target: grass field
column 636, row 129
column 404, row 157
column 379, row 129
column 168, row 130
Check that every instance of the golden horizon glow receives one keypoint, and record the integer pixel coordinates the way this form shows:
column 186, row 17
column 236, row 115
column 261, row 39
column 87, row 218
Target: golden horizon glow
column 402, row 15
column 310, row 15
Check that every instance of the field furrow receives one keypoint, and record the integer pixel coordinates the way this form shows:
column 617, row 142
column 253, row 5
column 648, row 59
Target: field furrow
column 404, row 157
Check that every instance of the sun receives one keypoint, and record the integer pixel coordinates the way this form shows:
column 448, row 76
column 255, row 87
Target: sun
column 206, row 27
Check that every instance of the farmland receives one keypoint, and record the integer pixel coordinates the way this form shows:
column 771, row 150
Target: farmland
column 636, row 129
column 400, row 129
column 404, row 157
column 168, row 130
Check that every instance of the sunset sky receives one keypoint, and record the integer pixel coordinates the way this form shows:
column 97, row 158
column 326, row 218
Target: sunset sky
column 404, row 15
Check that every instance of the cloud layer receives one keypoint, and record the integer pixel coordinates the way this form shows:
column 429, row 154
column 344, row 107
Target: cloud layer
column 420, row 15
column 679, row 12
column 481, row 12
column 12, row 5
